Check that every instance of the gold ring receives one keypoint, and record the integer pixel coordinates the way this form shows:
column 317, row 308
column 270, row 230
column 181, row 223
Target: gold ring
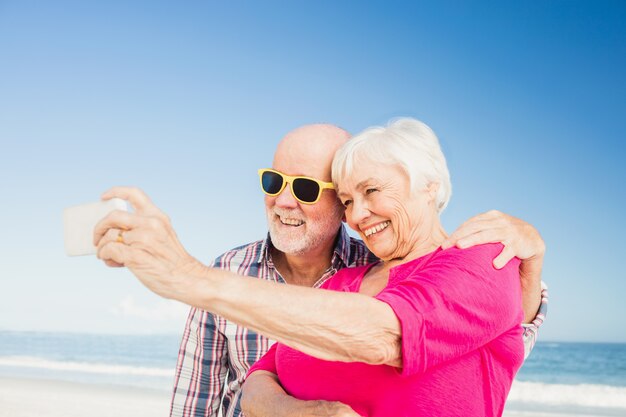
column 120, row 237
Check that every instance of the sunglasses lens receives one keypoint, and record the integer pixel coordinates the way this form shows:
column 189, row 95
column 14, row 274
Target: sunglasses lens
column 272, row 182
column 306, row 190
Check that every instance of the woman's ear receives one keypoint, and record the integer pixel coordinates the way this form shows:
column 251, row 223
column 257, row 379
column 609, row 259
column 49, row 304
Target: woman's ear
column 432, row 190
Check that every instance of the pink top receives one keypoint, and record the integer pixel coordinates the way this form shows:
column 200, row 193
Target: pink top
column 461, row 341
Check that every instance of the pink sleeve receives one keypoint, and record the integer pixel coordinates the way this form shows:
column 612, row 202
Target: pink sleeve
column 455, row 304
column 266, row 363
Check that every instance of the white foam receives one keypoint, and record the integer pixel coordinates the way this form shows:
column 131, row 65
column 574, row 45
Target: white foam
column 87, row 367
column 583, row 395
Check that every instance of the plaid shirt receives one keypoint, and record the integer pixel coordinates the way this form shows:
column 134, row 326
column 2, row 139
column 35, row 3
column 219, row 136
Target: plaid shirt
column 216, row 354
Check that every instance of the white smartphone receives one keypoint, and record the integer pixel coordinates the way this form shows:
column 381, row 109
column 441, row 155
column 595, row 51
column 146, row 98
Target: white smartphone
column 80, row 221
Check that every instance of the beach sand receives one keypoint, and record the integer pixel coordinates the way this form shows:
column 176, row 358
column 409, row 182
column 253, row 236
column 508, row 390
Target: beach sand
column 37, row 398
column 49, row 398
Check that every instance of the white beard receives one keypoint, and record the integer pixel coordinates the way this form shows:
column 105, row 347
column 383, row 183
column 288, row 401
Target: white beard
column 301, row 239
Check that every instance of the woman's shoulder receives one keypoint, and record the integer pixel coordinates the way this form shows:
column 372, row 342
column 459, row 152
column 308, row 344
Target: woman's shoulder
column 483, row 252
column 479, row 257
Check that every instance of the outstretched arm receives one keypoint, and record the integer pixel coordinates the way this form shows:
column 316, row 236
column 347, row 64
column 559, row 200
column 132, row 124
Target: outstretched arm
column 329, row 325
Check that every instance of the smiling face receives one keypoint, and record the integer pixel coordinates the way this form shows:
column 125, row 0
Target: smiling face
column 393, row 221
column 296, row 228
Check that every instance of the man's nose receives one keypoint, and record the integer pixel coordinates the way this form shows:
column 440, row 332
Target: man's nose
column 286, row 199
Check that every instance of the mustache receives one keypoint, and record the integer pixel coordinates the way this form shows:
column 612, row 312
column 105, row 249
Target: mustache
column 295, row 214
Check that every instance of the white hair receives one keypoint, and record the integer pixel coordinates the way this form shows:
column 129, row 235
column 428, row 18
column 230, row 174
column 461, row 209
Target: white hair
column 406, row 143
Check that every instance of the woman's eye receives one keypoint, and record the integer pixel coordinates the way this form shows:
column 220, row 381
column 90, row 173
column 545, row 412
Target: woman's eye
column 346, row 203
column 370, row 190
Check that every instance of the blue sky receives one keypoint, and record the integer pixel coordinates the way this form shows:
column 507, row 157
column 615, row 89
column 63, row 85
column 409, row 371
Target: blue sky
column 187, row 100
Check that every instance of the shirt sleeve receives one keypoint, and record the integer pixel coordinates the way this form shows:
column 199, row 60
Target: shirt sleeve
column 453, row 305
column 202, row 367
column 266, row 363
column 531, row 330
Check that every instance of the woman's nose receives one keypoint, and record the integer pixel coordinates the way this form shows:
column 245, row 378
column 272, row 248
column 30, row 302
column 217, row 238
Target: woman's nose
column 358, row 213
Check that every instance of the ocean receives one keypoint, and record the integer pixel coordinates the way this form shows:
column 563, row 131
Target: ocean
column 138, row 361
column 557, row 377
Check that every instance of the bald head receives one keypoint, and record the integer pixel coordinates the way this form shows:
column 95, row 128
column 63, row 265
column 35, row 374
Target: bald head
column 309, row 150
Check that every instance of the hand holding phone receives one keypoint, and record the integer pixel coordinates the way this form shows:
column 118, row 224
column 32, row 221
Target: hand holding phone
column 79, row 223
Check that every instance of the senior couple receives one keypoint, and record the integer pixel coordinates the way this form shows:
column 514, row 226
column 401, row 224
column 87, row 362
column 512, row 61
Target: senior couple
column 419, row 323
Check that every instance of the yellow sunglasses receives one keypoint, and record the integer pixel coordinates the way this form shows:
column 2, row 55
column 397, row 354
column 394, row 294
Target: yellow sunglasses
column 306, row 190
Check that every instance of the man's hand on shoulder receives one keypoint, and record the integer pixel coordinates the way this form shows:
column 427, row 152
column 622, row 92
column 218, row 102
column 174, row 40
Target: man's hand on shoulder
column 519, row 238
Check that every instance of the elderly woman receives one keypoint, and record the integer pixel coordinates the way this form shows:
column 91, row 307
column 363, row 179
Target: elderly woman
column 455, row 317
column 426, row 331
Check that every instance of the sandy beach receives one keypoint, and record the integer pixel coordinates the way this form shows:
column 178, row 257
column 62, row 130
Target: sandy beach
column 36, row 398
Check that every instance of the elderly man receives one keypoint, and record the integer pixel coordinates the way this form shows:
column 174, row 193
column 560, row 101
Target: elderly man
column 306, row 245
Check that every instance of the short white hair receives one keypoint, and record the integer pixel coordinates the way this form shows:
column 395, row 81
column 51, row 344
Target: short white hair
column 407, row 143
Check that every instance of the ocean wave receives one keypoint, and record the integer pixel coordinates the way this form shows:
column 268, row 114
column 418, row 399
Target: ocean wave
column 583, row 395
column 87, row 367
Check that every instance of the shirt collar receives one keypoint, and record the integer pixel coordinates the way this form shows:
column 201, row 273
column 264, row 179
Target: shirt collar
column 342, row 247
column 265, row 253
